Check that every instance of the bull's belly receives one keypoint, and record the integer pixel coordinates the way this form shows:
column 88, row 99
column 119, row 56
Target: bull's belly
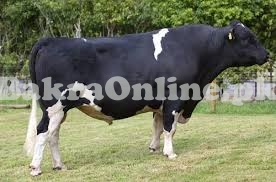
column 92, row 112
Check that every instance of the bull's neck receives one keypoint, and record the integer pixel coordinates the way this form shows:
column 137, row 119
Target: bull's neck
column 212, row 71
column 217, row 58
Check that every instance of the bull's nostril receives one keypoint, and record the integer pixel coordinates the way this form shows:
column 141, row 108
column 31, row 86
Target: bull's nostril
column 267, row 54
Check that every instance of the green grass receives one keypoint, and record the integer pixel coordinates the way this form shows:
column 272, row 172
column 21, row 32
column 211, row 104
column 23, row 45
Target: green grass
column 210, row 148
column 248, row 108
column 19, row 100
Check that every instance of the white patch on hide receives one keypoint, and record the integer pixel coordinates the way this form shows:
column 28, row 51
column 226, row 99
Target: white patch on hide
column 54, row 109
column 90, row 109
column 157, row 38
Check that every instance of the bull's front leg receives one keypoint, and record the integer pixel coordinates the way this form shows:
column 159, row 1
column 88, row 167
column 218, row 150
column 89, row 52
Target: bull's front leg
column 156, row 133
column 171, row 113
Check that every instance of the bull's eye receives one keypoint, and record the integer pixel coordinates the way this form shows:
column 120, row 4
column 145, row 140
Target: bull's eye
column 244, row 42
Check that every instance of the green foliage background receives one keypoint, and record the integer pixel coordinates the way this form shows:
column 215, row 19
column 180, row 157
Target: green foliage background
column 23, row 22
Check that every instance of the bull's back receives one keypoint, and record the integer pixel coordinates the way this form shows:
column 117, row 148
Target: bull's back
column 66, row 60
column 62, row 56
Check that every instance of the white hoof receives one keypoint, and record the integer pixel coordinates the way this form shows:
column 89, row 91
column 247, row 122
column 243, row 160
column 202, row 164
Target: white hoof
column 172, row 156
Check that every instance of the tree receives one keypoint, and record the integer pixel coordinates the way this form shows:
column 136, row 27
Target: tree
column 23, row 22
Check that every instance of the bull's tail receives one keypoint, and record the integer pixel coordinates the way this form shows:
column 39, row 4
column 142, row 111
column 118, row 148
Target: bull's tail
column 31, row 132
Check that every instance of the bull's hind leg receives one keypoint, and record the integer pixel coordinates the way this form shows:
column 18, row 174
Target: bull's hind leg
column 157, row 131
column 54, row 147
column 39, row 146
column 47, row 128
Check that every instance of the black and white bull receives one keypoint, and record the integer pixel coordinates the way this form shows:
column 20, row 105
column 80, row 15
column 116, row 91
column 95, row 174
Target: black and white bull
column 191, row 54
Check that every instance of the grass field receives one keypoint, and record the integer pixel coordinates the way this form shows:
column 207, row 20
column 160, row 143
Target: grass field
column 222, row 147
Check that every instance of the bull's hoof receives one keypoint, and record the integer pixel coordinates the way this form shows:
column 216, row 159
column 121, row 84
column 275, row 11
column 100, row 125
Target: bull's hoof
column 60, row 168
column 153, row 150
column 171, row 156
column 35, row 171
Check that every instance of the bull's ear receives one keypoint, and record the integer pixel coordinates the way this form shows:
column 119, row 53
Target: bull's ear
column 233, row 26
column 234, row 23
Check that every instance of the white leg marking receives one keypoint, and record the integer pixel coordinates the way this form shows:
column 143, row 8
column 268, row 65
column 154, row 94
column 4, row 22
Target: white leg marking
column 38, row 154
column 168, row 138
column 53, row 143
column 55, row 114
column 157, row 38
column 54, row 147
column 157, row 131
column 168, row 144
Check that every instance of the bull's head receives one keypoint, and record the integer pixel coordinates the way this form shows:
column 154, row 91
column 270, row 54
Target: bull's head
column 246, row 50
